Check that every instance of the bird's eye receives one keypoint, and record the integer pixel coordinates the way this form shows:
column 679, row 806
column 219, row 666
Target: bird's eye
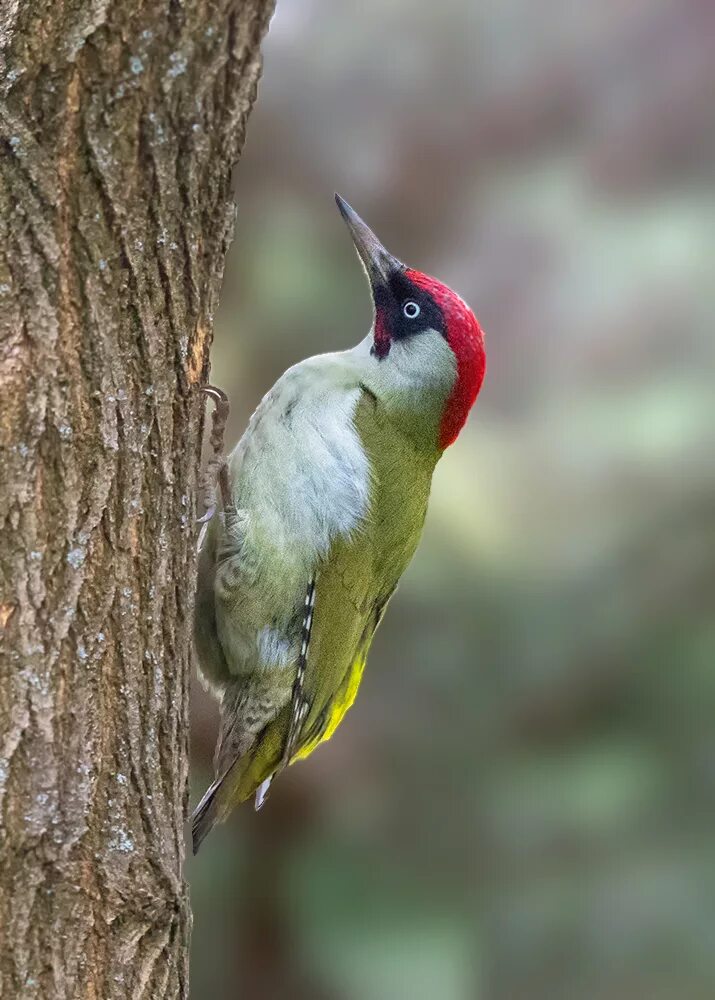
column 410, row 310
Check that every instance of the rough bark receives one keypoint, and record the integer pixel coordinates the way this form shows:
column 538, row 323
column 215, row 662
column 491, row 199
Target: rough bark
column 119, row 125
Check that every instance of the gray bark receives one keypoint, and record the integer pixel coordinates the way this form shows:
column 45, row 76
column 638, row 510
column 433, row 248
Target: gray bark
column 119, row 125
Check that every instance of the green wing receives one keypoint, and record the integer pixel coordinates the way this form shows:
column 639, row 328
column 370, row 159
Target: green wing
column 360, row 575
column 349, row 603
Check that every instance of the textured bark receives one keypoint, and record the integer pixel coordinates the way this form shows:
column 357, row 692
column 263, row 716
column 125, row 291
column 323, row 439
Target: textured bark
column 119, row 126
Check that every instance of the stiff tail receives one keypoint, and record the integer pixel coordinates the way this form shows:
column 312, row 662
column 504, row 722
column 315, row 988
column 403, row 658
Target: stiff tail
column 216, row 803
column 248, row 774
column 206, row 814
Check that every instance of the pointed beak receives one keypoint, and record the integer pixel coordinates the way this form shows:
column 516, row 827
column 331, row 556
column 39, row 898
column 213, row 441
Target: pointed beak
column 378, row 263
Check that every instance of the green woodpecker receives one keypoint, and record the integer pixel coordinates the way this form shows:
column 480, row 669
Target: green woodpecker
column 325, row 499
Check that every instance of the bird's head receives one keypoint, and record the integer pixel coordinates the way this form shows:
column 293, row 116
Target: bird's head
column 422, row 329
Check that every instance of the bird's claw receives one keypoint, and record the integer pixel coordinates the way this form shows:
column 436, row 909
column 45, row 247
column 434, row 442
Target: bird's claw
column 208, row 514
column 218, row 395
column 216, row 465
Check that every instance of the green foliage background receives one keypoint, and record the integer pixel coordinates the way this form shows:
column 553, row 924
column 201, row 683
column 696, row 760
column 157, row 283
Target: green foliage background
column 520, row 804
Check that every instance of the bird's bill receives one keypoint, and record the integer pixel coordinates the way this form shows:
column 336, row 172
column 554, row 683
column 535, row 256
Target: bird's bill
column 379, row 264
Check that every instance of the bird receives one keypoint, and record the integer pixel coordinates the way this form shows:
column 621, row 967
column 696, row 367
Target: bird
column 324, row 502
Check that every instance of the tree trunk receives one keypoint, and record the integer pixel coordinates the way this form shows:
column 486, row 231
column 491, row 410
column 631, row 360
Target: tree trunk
column 119, row 125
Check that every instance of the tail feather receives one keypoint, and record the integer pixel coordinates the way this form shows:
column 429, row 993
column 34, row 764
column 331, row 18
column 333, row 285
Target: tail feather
column 236, row 784
column 251, row 772
column 205, row 815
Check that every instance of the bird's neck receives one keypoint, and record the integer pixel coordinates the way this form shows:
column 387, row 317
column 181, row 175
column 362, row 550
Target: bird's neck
column 412, row 386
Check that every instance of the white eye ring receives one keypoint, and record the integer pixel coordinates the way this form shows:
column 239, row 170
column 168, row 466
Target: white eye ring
column 411, row 310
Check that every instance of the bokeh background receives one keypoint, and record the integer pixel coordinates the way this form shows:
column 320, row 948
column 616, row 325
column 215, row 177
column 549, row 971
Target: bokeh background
column 521, row 804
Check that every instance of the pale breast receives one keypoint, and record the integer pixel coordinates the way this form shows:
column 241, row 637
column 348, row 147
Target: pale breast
column 300, row 478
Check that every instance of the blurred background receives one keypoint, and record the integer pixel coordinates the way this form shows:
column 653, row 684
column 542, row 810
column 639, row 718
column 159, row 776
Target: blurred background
column 521, row 802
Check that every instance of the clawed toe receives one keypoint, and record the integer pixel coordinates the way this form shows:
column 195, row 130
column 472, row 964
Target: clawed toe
column 207, row 515
column 216, row 466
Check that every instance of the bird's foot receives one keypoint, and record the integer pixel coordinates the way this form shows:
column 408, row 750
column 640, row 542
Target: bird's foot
column 208, row 514
column 216, row 468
